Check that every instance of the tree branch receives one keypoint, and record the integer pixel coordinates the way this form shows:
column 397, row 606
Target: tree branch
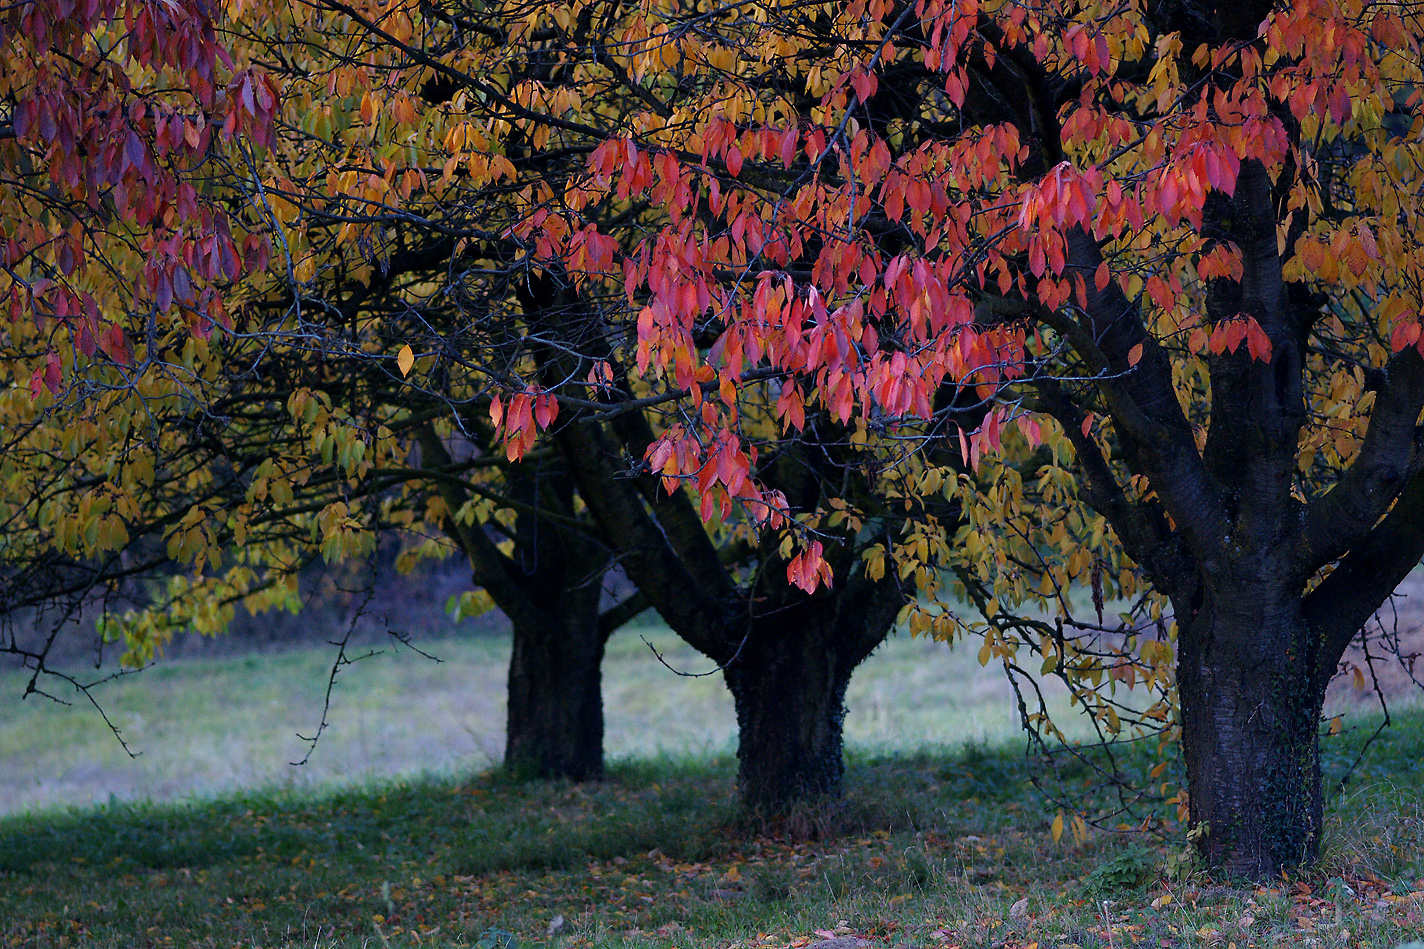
column 1390, row 459
column 492, row 569
column 1365, row 577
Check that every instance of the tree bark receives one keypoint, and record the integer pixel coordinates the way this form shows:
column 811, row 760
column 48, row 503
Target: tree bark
column 788, row 679
column 789, row 689
column 550, row 586
column 1250, row 708
column 554, row 727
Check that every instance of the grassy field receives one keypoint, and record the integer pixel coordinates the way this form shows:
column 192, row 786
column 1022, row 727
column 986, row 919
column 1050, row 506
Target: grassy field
column 210, row 726
column 940, row 842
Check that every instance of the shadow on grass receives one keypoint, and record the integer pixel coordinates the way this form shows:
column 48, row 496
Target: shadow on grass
column 945, row 842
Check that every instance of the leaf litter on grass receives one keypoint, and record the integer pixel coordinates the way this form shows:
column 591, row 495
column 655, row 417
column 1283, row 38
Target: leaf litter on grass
column 926, row 851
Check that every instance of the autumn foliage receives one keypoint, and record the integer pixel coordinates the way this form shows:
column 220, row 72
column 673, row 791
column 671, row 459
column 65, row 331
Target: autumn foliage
column 953, row 300
column 116, row 114
column 118, row 253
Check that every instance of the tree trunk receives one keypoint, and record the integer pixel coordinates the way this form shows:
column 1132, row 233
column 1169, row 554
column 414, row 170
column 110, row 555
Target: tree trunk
column 1250, row 708
column 788, row 683
column 555, row 722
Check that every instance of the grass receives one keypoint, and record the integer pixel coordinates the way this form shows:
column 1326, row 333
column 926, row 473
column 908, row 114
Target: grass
column 929, row 850
column 205, row 727
column 940, row 847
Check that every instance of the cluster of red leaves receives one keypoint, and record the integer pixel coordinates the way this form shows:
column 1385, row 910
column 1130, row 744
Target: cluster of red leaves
column 977, row 224
column 117, row 103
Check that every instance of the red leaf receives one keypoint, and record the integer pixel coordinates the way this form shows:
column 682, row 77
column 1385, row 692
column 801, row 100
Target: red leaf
column 865, row 85
column 1257, row 342
column 734, row 160
column 546, row 409
column 788, row 147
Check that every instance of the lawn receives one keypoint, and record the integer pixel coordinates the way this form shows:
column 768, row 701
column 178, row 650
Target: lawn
column 940, row 841
column 211, row 726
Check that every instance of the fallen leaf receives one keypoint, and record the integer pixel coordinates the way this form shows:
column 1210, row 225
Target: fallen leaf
column 840, row 942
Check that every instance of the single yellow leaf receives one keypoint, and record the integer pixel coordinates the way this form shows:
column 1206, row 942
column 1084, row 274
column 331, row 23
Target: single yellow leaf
column 405, row 359
column 1057, row 827
column 1337, row 724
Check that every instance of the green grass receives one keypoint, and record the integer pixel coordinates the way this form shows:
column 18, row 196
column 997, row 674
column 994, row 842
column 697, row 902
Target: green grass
column 940, row 839
column 924, row 850
column 215, row 726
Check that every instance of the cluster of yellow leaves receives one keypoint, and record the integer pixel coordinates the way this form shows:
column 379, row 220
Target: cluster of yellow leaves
column 651, row 161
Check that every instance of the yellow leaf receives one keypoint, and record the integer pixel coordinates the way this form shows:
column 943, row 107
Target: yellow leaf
column 405, row 359
column 1057, row 827
column 1337, row 724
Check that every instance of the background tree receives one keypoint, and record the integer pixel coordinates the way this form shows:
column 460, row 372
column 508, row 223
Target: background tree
column 167, row 521
column 139, row 446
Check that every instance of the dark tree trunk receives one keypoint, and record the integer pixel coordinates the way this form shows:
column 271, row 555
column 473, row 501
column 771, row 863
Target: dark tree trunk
column 787, row 657
column 788, row 682
column 550, row 587
column 789, row 689
column 1250, row 708
column 555, row 723
column 554, row 727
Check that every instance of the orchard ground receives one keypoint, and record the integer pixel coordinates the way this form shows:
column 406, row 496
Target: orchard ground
column 210, row 838
column 220, row 724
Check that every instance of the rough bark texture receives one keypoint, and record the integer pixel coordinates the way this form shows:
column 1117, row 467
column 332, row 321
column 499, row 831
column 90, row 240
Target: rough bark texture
column 788, row 683
column 788, row 678
column 1249, row 731
column 555, row 723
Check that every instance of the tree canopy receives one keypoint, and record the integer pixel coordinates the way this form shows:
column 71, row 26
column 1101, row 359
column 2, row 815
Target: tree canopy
column 1021, row 296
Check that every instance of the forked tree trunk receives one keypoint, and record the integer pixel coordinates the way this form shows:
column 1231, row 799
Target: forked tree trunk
column 788, row 684
column 1250, row 708
column 555, row 723
column 788, row 673
column 551, row 588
